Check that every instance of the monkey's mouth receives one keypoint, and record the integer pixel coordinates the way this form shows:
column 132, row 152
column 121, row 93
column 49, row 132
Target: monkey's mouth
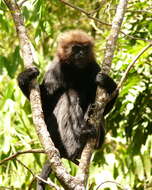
column 81, row 63
column 79, row 58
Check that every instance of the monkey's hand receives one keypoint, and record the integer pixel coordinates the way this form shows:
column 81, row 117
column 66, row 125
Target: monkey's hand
column 106, row 82
column 25, row 78
column 28, row 75
column 89, row 132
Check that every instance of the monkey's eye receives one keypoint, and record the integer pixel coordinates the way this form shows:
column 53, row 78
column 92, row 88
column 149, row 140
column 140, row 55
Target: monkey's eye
column 76, row 48
column 86, row 48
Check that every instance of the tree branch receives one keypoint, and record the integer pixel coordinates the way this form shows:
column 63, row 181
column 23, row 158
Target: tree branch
column 132, row 63
column 102, row 97
column 124, row 77
column 89, row 15
column 118, row 184
column 135, row 38
column 68, row 181
column 83, row 171
column 50, row 183
column 112, row 39
column 19, row 153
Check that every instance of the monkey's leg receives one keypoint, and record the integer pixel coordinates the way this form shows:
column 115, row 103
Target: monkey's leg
column 46, row 170
column 100, row 134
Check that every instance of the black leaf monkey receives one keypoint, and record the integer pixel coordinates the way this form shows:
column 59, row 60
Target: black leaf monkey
column 68, row 90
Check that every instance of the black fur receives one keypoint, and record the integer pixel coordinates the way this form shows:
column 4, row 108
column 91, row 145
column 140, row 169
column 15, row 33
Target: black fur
column 67, row 92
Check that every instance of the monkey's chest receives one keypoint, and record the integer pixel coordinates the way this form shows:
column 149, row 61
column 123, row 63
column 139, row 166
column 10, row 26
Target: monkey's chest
column 73, row 101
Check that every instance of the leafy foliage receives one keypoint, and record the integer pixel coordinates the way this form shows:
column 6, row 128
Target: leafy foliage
column 126, row 155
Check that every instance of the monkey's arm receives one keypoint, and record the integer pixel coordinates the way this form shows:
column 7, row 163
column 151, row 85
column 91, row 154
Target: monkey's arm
column 53, row 80
column 104, row 81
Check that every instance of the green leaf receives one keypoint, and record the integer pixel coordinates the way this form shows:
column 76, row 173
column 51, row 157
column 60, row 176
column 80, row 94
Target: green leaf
column 139, row 169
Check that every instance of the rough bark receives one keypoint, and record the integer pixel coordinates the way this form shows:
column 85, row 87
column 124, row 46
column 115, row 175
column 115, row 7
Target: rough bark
column 102, row 97
column 68, row 181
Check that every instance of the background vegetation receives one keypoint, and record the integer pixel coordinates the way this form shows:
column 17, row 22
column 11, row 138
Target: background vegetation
column 127, row 153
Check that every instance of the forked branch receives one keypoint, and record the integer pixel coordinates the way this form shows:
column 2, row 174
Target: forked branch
column 101, row 97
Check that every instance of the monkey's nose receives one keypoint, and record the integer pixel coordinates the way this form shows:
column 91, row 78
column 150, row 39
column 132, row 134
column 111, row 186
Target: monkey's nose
column 81, row 54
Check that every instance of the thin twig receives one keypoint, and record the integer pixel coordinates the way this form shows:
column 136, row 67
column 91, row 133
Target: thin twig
column 25, row 167
column 124, row 77
column 20, row 4
column 50, row 183
column 137, row 11
column 98, row 8
column 116, row 183
column 21, row 152
column 140, row 11
column 89, row 15
column 134, row 38
column 84, row 12
column 131, row 65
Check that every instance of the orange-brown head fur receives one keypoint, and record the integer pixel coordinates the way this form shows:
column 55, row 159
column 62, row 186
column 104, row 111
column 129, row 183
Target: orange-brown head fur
column 67, row 39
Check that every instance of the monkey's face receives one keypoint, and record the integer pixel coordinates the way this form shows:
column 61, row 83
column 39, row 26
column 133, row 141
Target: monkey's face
column 80, row 54
column 76, row 48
